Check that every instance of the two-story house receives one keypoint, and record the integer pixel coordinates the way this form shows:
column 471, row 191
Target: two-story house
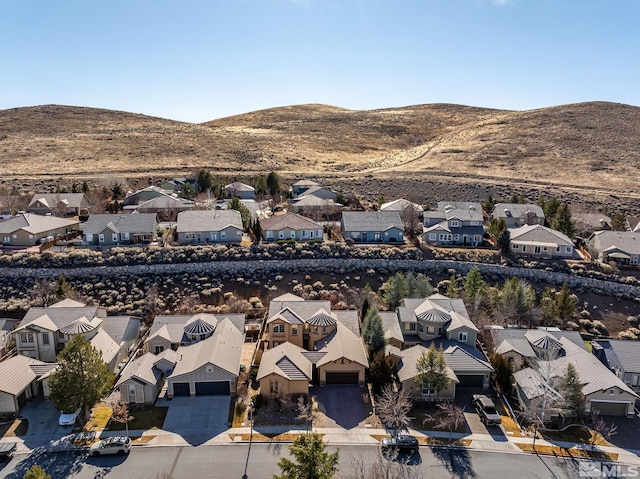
column 454, row 224
column 621, row 357
column 516, row 214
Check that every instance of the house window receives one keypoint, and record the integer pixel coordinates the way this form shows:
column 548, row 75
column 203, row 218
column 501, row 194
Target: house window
column 427, row 391
column 132, row 392
column 26, row 338
column 462, row 337
column 189, row 236
column 125, row 236
column 223, row 235
column 269, row 234
column 456, row 237
column 45, row 338
column 101, row 238
column 524, row 248
column 377, row 237
column 114, row 237
column 569, row 249
column 544, row 248
column 433, row 237
column 293, row 233
column 515, row 246
column 635, row 380
column 411, row 327
column 536, row 250
column 474, row 223
column 454, row 223
column 612, row 392
column 209, row 368
column 315, row 329
column 239, row 234
column 159, row 349
column 281, row 234
column 444, row 237
column 558, row 249
column 324, row 329
column 305, row 233
column 294, row 331
column 420, row 328
column 278, row 329
column 477, row 238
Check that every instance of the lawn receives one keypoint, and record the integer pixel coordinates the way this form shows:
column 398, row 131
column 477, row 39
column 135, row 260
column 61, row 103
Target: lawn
column 578, row 435
column 148, row 418
column 99, row 418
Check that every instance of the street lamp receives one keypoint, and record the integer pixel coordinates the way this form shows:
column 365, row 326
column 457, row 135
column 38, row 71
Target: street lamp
column 246, row 464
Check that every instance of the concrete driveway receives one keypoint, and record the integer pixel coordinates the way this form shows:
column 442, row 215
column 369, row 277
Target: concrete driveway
column 43, row 419
column 202, row 415
column 342, row 405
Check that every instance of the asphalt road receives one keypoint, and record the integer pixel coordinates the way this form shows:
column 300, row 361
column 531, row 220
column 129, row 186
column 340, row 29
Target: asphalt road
column 228, row 461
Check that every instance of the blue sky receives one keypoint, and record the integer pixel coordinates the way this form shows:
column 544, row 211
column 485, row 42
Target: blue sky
column 197, row 60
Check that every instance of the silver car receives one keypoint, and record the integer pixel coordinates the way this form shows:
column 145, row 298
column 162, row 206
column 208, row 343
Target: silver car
column 119, row 445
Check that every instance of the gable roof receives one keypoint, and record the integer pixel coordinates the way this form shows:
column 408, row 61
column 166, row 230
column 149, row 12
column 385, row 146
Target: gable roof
column 516, row 210
column 172, row 327
column 371, row 220
column 162, row 202
column 208, row 220
column 143, row 368
column 238, row 186
column 400, row 205
column 51, row 200
column 407, row 367
column 34, row 224
column 625, row 241
column 121, row 223
column 16, row 374
column 288, row 220
column 343, row 343
column 462, row 361
column 286, row 360
column 104, row 343
column 223, row 349
column 60, row 316
column 626, row 352
column 539, row 235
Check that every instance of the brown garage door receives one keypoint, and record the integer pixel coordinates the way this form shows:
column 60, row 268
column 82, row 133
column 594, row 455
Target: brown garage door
column 610, row 408
column 342, row 378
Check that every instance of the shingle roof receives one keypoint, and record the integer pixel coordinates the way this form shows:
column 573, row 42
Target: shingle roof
column 626, row 241
column 391, row 325
column 289, row 220
column 628, row 353
column 71, row 200
column 371, row 220
column 538, row 234
column 516, row 210
column 286, row 360
column 400, row 205
column 34, row 224
column 16, row 374
column 238, row 186
column 223, row 349
column 122, row 223
column 162, row 202
column 208, row 220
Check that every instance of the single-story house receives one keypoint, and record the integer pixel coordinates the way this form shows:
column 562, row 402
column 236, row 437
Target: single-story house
column 165, row 207
column 400, row 205
column 142, row 379
column 320, row 192
column 284, row 370
column 58, row 204
column 516, row 214
column 240, row 190
column 120, row 229
column 28, row 229
column 209, row 226
column 623, row 247
column 144, row 195
column 373, row 226
column 541, row 242
column 588, row 223
column 345, row 359
column 300, row 186
column 290, row 226
column 208, row 367
column 19, row 382
column 314, row 206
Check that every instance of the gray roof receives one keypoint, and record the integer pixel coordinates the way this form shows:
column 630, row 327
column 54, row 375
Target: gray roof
column 625, row 241
column 462, row 361
column 143, row 369
column 312, row 200
column 459, row 205
column 286, row 360
column 371, row 220
column 407, row 366
column 627, row 353
column 108, row 348
column 71, row 200
column 391, row 325
column 289, row 220
column 520, row 340
column 306, row 183
column 238, row 186
column 60, row 317
column 122, row 329
column 34, row 224
column 516, row 210
column 16, row 374
column 539, row 235
column 172, row 327
column 223, row 349
column 303, row 309
column 400, row 205
column 122, row 223
column 163, row 202
column 208, row 220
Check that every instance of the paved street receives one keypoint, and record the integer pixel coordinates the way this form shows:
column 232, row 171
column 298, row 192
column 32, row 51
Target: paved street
column 228, row 461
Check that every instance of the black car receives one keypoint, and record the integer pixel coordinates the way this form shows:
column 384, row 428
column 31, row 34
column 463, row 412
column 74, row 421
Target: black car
column 486, row 409
column 7, row 449
column 400, row 443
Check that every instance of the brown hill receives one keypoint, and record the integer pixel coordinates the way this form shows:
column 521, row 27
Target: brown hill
column 593, row 146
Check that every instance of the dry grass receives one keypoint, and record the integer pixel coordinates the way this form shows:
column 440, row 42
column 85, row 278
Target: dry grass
column 99, row 418
column 511, row 427
column 571, row 452
column 258, row 437
column 16, row 428
column 578, row 435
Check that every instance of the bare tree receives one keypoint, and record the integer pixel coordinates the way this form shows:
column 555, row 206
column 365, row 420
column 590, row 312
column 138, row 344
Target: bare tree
column 450, row 416
column 411, row 220
column 393, row 407
column 383, row 468
column 120, row 409
column 306, row 412
column 43, row 293
column 607, row 430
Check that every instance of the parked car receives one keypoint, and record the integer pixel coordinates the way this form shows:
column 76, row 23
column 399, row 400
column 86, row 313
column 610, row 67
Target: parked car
column 68, row 418
column 400, row 443
column 119, row 445
column 486, row 409
column 7, row 449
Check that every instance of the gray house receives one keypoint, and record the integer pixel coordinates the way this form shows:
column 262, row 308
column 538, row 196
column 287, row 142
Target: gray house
column 209, row 226
column 516, row 214
column 58, row 204
column 120, row 229
column 541, row 242
column 373, row 226
column 290, row 226
column 622, row 247
column 454, row 224
column 142, row 379
column 621, row 357
column 240, row 190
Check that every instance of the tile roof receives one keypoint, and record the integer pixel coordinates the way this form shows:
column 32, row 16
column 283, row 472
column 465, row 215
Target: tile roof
column 121, row 223
column 407, row 367
column 286, row 360
column 208, row 220
column 343, row 343
column 34, row 224
column 371, row 220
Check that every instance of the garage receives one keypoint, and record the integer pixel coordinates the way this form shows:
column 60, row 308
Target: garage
column 181, row 389
column 213, row 388
column 342, row 377
column 470, row 380
column 610, row 408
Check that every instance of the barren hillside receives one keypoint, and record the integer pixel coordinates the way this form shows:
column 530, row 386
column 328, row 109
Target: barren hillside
column 587, row 148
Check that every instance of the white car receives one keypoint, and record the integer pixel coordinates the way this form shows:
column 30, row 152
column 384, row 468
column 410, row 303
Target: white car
column 68, row 419
column 119, row 445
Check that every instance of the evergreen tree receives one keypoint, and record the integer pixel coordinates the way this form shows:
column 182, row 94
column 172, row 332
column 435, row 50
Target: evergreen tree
column 382, row 371
column 619, row 221
column 82, row 377
column 36, row 472
column 502, row 372
column 372, row 331
column 257, row 230
column 496, row 227
column 204, row 180
column 503, row 242
column 563, row 222
column 473, row 284
column 517, row 298
column 312, row 461
column 396, row 288
column 431, row 370
column 565, row 303
column 488, row 204
column 570, row 389
column 274, row 183
column 418, row 285
column 453, row 288
column 245, row 214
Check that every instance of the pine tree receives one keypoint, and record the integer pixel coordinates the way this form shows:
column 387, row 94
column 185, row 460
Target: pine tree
column 312, row 461
column 396, row 288
column 453, row 288
column 372, row 331
column 563, row 222
column 473, row 283
column 431, row 370
column 36, row 472
column 382, row 371
column 570, row 389
column 565, row 303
